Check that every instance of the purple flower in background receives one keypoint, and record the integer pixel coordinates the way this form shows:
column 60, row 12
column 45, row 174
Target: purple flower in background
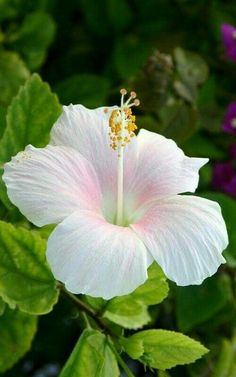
column 228, row 34
column 224, row 177
column 229, row 124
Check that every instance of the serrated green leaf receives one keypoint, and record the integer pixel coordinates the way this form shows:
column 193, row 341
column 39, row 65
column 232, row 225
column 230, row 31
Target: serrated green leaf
column 17, row 332
column 13, row 73
column 127, row 312
column 80, row 89
column 91, row 357
column 154, row 290
column 197, row 304
column 165, row 349
column 29, row 118
column 25, row 279
column 34, row 37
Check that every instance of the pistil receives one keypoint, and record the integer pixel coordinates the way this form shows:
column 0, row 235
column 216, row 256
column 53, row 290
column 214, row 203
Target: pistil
column 122, row 126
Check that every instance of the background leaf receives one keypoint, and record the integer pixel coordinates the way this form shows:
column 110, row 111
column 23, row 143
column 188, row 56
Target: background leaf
column 13, row 73
column 26, row 280
column 17, row 332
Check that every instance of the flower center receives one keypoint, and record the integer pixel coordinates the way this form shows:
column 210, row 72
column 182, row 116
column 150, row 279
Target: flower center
column 122, row 126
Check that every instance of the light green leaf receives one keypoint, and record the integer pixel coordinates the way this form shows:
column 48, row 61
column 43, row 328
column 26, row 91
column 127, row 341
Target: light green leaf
column 90, row 90
column 17, row 332
column 154, row 290
column 197, row 304
column 127, row 312
column 163, row 349
column 13, row 73
column 225, row 361
column 91, row 357
column 30, row 118
column 25, row 279
column 34, row 37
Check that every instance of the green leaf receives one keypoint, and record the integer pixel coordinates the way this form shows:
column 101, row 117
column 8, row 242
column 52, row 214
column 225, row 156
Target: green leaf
column 29, row 118
column 154, row 290
column 179, row 121
column 90, row 90
column 191, row 68
column 34, row 37
column 201, row 146
column 115, row 9
column 228, row 206
column 197, row 304
column 25, row 279
column 130, row 311
column 2, row 306
column 17, row 332
column 165, row 349
column 13, row 73
column 91, row 357
column 127, row 312
column 129, row 55
column 3, row 113
column 226, row 364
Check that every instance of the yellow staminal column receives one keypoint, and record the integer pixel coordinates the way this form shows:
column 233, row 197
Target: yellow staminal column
column 122, row 126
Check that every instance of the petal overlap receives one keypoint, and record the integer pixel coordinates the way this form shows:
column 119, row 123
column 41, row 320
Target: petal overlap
column 48, row 184
column 161, row 169
column 96, row 258
column 186, row 236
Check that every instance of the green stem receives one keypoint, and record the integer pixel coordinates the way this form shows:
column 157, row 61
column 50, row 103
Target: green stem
column 120, row 360
column 88, row 310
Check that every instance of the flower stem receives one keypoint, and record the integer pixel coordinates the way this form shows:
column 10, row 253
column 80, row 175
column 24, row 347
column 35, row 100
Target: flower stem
column 120, row 360
column 88, row 310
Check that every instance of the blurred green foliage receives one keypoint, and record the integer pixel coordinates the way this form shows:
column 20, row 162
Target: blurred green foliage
column 170, row 52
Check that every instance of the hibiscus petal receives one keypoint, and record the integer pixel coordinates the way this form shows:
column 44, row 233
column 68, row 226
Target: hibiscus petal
column 87, row 131
column 186, row 236
column 96, row 258
column 48, row 184
column 162, row 169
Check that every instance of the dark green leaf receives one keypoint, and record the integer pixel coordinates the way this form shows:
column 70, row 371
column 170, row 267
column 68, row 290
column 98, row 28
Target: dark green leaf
column 91, row 357
column 197, row 304
column 34, row 37
column 17, row 332
column 90, row 90
column 26, row 280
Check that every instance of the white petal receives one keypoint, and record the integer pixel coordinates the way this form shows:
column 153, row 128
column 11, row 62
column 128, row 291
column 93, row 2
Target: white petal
column 186, row 236
column 162, row 169
column 96, row 258
column 87, row 131
column 48, row 184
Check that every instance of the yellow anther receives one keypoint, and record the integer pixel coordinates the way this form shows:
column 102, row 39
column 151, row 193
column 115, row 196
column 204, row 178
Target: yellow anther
column 122, row 122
